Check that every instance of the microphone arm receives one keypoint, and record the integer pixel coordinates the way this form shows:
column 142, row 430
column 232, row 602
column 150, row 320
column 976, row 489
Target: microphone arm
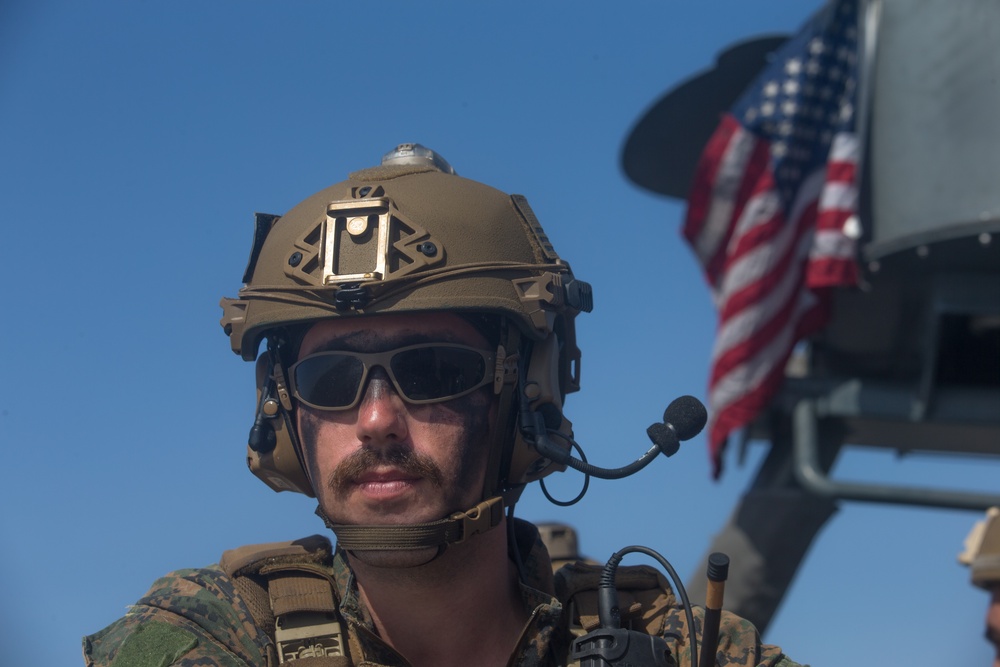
column 682, row 420
column 550, row 450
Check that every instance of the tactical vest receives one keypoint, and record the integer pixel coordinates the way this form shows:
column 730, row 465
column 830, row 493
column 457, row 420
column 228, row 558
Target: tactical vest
column 290, row 592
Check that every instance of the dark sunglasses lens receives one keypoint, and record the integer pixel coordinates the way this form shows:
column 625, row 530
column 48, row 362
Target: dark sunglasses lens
column 430, row 373
column 329, row 380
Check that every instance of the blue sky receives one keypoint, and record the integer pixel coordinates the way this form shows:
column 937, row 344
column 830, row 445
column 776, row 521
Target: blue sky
column 138, row 140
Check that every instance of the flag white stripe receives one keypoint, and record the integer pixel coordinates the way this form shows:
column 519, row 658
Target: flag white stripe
column 844, row 148
column 746, row 377
column 808, row 193
column 725, row 188
column 832, row 244
column 758, row 210
column 740, row 326
column 838, row 197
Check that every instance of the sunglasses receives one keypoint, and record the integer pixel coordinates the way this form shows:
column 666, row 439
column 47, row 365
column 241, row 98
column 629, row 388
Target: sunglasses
column 423, row 373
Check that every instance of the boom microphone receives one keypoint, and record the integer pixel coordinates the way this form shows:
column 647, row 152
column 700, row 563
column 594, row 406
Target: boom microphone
column 687, row 416
column 682, row 420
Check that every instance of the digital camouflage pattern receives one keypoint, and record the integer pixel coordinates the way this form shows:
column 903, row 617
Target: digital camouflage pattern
column 196, row 618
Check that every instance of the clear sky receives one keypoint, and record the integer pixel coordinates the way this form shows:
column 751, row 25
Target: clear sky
column 138, row 139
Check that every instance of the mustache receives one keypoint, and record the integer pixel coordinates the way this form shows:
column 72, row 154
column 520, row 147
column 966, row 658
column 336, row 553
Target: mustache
column 366, row 459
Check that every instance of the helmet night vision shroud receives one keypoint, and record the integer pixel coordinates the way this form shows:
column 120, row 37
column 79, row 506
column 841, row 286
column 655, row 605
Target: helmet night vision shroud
column 411, row 236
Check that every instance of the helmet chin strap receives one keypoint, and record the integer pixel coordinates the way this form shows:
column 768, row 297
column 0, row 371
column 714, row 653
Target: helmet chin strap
column 455, row 529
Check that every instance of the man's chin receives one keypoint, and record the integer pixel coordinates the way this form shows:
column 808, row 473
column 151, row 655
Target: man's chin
column 398, row 512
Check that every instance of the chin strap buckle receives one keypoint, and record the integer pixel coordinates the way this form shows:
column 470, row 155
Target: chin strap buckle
column 480, row 518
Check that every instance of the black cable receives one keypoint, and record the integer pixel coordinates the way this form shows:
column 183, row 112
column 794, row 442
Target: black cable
column 262, row 438
column 586, row 477
column 608, row 593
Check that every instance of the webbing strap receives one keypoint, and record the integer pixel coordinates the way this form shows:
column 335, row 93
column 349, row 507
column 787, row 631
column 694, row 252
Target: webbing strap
column 300, row 590
column 307, row 625
column 457, row 528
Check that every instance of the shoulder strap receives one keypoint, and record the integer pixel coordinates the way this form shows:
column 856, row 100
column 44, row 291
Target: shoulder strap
column 290, row 593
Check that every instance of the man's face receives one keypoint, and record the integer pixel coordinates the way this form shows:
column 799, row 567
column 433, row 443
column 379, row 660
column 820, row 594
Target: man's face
column 387, row 461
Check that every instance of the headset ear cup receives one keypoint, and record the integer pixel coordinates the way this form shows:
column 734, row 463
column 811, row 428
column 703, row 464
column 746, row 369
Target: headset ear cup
column 527, row 465
column 542, row 387
column 279, row 466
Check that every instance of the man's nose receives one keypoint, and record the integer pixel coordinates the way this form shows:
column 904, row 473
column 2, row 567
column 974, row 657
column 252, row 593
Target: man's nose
column 381, row 413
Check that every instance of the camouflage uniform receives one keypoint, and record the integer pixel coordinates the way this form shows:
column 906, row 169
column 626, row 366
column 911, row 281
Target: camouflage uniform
column 196, row 617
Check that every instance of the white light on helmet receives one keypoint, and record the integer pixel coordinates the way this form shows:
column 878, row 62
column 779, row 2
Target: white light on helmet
column 416, row 154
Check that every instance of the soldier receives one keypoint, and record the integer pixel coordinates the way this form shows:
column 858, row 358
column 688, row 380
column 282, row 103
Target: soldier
column 982, row 555
column 419, row 334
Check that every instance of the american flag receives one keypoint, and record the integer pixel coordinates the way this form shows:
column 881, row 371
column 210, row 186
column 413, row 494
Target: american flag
column 771, row 214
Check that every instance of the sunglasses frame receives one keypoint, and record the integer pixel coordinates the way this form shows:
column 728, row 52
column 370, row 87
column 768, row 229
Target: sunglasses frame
column 383, row 360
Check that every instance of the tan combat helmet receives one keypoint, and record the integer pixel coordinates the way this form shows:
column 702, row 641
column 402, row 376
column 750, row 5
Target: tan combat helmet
column 982, row 551
column 408, row 236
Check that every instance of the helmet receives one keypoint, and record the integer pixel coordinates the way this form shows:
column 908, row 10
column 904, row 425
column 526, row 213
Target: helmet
column 410, row 235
